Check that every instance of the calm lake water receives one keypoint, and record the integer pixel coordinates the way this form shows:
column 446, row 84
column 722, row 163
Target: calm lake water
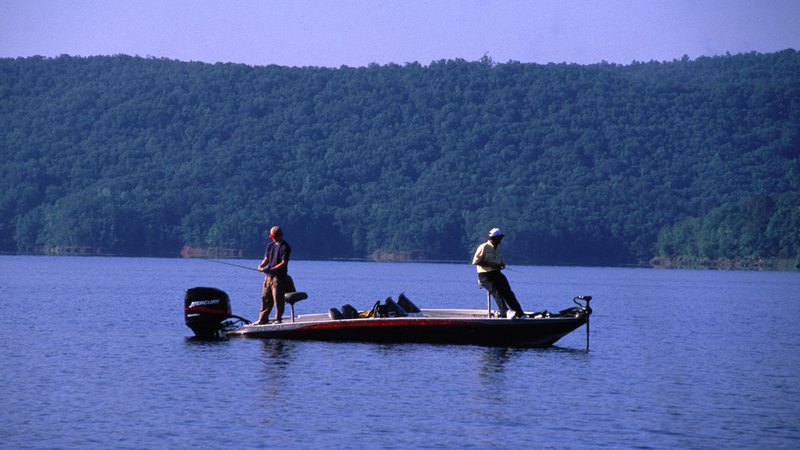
column 96, row 354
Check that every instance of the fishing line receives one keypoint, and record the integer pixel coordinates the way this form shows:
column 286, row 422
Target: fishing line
column 234, row 265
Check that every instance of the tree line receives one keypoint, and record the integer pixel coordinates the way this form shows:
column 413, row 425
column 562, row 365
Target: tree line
column 579, row 164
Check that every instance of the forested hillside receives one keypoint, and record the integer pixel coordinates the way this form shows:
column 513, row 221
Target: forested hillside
column 753, row 233
column 578, row 164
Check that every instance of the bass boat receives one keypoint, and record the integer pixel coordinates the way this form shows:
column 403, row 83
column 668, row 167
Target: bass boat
column 207, row 312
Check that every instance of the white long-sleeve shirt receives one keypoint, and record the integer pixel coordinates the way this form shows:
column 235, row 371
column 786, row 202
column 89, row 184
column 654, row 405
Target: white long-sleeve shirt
column 488, row 253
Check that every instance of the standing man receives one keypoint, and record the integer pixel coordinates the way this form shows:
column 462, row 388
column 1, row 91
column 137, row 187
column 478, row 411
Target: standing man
column 489, row 263
column 276, row 267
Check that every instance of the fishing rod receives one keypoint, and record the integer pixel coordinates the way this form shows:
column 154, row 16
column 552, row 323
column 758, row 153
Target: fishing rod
column 234, row 265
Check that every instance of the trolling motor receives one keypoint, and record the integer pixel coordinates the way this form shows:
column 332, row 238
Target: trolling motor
column 206, row 309
column 586, row 310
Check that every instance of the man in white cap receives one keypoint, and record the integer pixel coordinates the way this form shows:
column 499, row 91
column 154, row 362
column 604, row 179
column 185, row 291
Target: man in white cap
column 489, row 263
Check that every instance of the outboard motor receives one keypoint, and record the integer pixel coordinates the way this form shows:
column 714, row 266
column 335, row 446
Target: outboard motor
column 205, row 310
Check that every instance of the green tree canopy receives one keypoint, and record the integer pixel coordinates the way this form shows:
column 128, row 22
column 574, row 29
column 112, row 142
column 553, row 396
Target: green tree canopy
column 579, row 164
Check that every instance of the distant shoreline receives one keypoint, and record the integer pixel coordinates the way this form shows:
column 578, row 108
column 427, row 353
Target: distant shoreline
column 658, row 262
column 754, row 264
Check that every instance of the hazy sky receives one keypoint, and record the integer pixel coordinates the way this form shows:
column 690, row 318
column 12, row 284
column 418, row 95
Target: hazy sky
column 359, row 32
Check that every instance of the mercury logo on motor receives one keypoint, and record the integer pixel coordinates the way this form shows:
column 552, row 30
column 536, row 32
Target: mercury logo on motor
column 203, row 303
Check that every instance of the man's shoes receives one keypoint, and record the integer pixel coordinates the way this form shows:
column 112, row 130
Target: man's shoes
column 277, row 321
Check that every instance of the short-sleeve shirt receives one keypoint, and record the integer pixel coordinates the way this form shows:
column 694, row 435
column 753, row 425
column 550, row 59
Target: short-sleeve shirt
column 487, row 253
column 276, row 253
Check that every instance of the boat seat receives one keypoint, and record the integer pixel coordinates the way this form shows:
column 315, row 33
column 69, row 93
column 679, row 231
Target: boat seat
column 349, row 312
column 488, row 300
column 293, row 297
column 393, row 309
column 335, row 314
column 407, row 305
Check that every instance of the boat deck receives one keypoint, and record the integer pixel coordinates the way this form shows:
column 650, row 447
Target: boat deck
column 430, row 325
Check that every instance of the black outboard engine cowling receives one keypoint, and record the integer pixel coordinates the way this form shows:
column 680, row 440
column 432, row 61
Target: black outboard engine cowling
column 205, row 310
